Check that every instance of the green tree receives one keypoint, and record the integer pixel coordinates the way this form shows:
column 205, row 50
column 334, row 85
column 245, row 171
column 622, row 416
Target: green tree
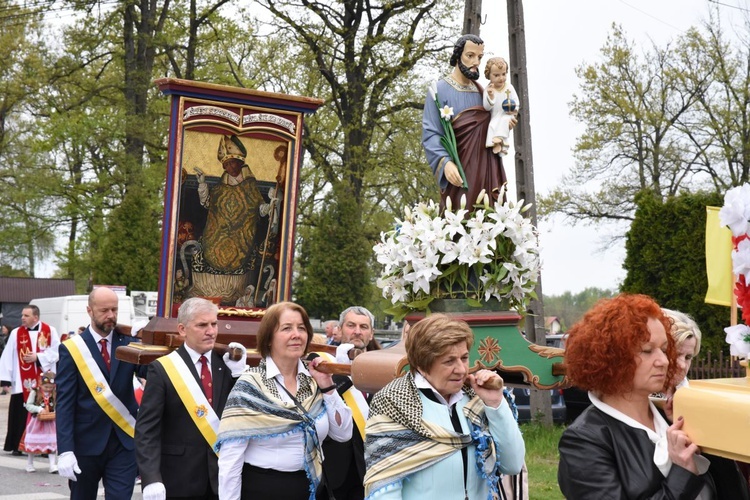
column 366, row 60
column 332, row 257
column 104, row 128
column 666, row 259
column 25, row 235
column 669, row 119
column 571, row 307
column 134, row 240
column 629, row 103
column 718, row 125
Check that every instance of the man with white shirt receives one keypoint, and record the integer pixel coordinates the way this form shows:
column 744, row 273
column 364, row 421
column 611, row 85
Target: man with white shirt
column 181, row 407
column 30, row 351
column 96, row 406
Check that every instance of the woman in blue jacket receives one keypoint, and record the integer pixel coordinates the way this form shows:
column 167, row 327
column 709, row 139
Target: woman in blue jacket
column 439, row 432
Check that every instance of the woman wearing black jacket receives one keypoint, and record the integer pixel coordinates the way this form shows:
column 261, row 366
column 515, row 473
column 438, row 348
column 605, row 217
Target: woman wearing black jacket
column 621, row 447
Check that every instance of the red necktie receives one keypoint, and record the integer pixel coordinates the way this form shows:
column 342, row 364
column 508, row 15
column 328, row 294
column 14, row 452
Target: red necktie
column 206, row 380
column 105, row 352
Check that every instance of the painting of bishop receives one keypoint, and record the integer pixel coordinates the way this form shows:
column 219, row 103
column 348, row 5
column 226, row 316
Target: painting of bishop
column 236, row 212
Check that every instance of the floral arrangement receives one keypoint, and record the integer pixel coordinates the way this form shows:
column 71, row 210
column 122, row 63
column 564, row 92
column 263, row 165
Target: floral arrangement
column 736, row 214
column 448, row 140
column 490, row 252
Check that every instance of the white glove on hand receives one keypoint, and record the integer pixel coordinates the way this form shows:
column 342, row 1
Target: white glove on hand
column 67, row 466
column 155, row 491
column 342, row 353
column 239, row 366
column 200, row 175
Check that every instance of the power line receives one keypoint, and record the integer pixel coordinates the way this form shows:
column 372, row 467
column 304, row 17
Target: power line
column 650, row 15
column 17, row 15
column 730, row 6
column 32, row 4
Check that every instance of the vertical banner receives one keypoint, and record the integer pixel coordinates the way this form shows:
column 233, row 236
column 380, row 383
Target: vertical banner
column 718, row 260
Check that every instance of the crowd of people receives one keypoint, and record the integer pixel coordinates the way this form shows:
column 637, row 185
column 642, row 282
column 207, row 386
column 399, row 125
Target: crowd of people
column 209, row 426
column 287, row 430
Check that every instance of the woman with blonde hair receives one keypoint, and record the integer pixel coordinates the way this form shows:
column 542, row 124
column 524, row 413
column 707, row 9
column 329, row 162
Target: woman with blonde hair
column 726, row 474
column 687, row 337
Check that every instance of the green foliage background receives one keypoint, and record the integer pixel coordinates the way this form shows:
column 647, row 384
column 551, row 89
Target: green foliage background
column 83, row 134
column 666, row 259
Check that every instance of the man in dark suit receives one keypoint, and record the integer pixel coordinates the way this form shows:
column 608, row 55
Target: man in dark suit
column 344, row 463
column 96, row 406
column 174, row 445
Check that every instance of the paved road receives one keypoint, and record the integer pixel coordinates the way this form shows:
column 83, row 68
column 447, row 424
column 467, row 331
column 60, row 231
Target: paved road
column 16, row 483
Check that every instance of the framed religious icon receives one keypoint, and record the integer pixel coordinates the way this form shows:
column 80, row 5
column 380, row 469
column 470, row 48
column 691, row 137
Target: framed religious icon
column 231, row 195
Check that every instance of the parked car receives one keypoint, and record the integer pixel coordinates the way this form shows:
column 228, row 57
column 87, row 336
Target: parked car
column 522, row 397
column 576, row 400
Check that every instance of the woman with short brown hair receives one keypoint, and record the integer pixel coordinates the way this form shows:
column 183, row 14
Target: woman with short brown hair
column 438, row 431
column 277, row 415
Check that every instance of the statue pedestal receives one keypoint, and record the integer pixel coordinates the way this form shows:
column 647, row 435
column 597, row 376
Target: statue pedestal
column 498, row 345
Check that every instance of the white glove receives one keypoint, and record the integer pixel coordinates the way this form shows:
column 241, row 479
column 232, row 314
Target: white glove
column 239, row 366
column 342, row 353
column 200, row 175
column 67, row 466
column 155, row 491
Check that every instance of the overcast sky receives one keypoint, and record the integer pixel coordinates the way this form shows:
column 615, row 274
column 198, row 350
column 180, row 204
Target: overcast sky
column 559, row 37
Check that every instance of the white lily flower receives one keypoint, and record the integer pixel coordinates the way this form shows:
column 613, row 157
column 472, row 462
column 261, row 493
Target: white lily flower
column 446, row 112
column 428, row 251
column 480, row 197
column 432, row 90
column 501, row 194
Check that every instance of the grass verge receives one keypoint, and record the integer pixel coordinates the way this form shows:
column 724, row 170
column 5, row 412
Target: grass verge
column 542, row 459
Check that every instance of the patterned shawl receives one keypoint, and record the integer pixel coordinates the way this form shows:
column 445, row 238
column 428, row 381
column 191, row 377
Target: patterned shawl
column 254, row 409
column 399, row 442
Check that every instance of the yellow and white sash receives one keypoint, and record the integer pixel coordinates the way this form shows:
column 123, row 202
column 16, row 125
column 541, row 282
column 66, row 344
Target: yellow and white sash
column 192, row 396
column 354, row 399
column 98, row 385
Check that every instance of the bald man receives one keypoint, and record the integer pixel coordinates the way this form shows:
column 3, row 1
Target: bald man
column 96, row 406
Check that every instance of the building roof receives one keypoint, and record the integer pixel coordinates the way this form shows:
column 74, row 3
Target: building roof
column 23, row 290
column 548, row 320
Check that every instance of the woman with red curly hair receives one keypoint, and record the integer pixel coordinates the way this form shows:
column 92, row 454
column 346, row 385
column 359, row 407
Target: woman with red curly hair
column 621, row 447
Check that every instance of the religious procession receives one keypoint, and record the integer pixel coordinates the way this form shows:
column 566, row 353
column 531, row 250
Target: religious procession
column 253, row 380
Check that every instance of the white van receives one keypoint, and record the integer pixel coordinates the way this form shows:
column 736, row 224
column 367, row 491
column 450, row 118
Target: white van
column 144, row 303
column 68, row 312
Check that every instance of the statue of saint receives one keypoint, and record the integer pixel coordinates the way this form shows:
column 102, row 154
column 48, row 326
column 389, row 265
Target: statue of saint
column 459, row 99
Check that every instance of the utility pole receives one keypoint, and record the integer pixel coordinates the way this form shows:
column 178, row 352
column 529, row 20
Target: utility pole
column 472, row 17
column 540, row 400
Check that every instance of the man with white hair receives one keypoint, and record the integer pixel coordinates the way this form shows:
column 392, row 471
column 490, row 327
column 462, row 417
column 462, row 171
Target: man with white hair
column 182, row 404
